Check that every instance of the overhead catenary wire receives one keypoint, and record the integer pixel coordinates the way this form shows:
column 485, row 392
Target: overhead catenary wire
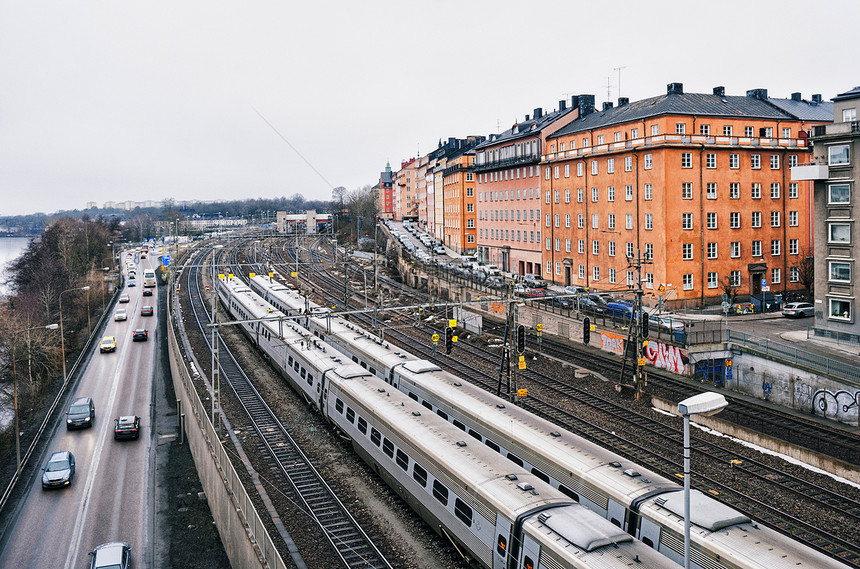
column 282, row 137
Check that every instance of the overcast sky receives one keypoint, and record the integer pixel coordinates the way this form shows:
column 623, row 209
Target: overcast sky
column 119, row 100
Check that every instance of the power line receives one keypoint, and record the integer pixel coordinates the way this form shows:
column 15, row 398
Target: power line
column 318, row 173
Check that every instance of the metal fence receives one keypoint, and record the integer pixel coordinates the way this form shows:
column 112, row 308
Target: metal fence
column 816, row 362
column 834, row 335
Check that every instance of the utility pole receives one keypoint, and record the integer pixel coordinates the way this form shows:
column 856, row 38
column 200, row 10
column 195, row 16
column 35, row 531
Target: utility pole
column 637, row 327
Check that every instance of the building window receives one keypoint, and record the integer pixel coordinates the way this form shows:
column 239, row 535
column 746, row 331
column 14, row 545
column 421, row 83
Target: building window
column 582, row 271
column 712, row 280
column 849, row 115
column 629, row 245
column 686, row 191
column 594, row 167
column 595, row 247
column 649, row 221
column 840, row 272
column 774, row 190
column 686, row 221
column 712, row 190
column 793, row 219
column 755, row 161
column 580, row 221
column 579, row 169
column 792, row 160
column 628, row 221
column 735, row 220
column 628, row 193
column 756, row 191
column 712, row 250
column 688, row 281
column 557, row 220
column 704, row 129
column 610, row 194
column 628, row 163
column 774, row 219
column 546, row 173
column 612, row 276
column 470, row 208
column 840, row 309
column 557, row 196
column 580, row 246
column 734, row 161
column 735, row 249
column 687, row 251
column 756, row 248
column 775, row 247
column 630, row 280
column 595, row 273
column 756, row 219
column 793, row 246
column 567, row 196
column 774, row 161
column 548, row 244
column 548, row 224
column 839, row 194
column 647, row 161
column 549, row 267
column 710, row 159
column 594, row 194
column 610, row 166
column 567, row 170
column 734, row 191
column 567, row 245
column 558, row 268
column 655, row 129
column 680, row 128
column 793, row 274
column 839, row 155
column 600, row 139
column 775, row 275
column 612, row 248
column 557, row 244
column 712, row 220
column 735, row 278
column 839, row 233
column 727, row 130
column 594, row 221
column 567, row 220
column 649, row 192
column 611, row 221
column 580, row 195
column 686, row 160
column 748, row 131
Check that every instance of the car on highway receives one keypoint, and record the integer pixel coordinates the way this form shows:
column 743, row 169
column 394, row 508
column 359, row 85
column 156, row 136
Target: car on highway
column 147, row 292
column 59, row 471
column 798, row 310
column 131, row 283
column 139, row 335
column 81, row 413
column 108, row 344
column 146, row 311
column 126, row 427
column 123, row 298
column 115, row 555
column 120, row 314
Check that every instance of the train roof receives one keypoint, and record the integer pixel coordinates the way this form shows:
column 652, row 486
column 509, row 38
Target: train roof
column 734, row 537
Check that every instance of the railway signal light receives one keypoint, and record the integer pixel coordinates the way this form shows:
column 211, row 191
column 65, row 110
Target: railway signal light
column 645, row 330
column 521, row 339
column 449, row 339
column 586, row 330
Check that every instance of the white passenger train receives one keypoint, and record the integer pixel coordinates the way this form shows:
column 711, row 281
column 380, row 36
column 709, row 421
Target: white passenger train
column 496, row 513
column 643, row 503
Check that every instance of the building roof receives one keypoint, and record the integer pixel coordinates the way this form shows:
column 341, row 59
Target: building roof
column 852, row 94
column 702, row 105
column 530, row 127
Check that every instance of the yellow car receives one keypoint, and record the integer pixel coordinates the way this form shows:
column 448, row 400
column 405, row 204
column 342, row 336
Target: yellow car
column 108, row 344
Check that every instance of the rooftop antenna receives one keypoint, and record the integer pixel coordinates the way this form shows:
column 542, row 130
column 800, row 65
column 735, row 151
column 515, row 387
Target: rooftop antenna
column 618, row 69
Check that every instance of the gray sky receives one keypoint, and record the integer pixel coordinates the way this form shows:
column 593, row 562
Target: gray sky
column 118, row 100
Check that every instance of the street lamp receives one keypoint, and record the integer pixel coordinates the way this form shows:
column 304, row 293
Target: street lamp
column 706, row 404
column 62, row 337
column 15, row 381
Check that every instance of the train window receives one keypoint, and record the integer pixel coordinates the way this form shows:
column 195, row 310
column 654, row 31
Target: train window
column 463, row 512
column 568, row 492
column 615, row 522
column 413, row 396
column 290, row 361
column 388, row 448
column 310, row 379
column 459, row 425
column 440, row 492
column 648, row 542
column 535, row 471
column 350, row 414
column 364, row 365
column 296, row 365
column 442, row 414
column 515, row 459
column 373, row 371
column 302, row 373
column 355, row 359
column 427, row 404
column 528, row 563
column 362, row 426
column 492, row 445
column 475, row 435
column 402, row 460
column 420, row 475
column 338, row 404
column 502, row 545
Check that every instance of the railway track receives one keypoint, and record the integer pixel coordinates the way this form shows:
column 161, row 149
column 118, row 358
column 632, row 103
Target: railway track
column 287, row 463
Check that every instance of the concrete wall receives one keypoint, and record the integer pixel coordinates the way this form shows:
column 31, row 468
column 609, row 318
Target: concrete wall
column 245, row 539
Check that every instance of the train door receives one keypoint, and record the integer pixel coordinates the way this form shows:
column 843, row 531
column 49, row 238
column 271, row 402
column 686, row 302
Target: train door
column 616, row 513
column 322, row 393
column 529, row 554
column 648, row 533
column 503, row 537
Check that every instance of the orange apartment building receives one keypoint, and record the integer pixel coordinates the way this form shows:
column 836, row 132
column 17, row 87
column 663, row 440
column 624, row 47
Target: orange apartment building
column 406, row 191
column 696, row 185
column 385, row 195
column 507, row 169
column 458, row 189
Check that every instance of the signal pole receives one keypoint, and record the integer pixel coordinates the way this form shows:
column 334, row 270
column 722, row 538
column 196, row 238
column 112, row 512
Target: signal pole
column 638, row 325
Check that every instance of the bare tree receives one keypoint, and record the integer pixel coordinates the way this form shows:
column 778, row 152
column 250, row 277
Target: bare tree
column 806, row 271
column 730, row 289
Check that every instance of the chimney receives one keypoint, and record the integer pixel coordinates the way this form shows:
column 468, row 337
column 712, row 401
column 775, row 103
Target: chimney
column 720, row 91
column 607, row 105
column 760, row 94
column 675, row 89
column 527, row 119
column 816, row 99
column 796, row 97
column 562, row 105
column 623, row 101
column 585, row 104
column 538, row 113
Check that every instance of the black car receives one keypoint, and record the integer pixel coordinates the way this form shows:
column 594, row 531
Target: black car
column 139, row 335
column 81, row 413
column 126, row 427
column 147, row 292
column 146, row 311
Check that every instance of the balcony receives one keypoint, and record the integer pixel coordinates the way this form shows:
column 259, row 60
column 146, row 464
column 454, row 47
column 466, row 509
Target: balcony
column 810, row 172
column 506, row 162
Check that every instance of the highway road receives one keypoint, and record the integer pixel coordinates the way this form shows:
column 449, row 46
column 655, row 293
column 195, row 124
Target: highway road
column 112, row 495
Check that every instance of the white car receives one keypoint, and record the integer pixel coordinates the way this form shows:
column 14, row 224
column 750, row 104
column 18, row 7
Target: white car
column 120, row 314
column 798, row 310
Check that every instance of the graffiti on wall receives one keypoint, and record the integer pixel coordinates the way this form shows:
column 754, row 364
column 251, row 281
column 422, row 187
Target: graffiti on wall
column 610, row 342
column 671, row 358
column 841, row 405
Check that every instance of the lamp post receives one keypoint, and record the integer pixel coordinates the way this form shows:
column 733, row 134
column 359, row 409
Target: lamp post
column 15, row 381
column 62, row 336
column 706, row 404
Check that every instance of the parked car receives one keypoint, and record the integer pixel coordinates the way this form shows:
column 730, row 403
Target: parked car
column 533, row 281
column 108, row 344
column 114, row 555
column 439, row 250
column 120, row 315
column 665, row 322
column 535, row 292
column 592, row 303
column 81, row 413
column 619, row 310
column 560, row 301
column 798, row 310
column 59, row 471
column 139, row 335
column 123, row 298
column 146, row 311
column 575, row 290
column 126, row 427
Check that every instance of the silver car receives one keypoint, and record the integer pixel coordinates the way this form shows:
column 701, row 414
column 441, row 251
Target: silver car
column 798, row 310
column 59, row 471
